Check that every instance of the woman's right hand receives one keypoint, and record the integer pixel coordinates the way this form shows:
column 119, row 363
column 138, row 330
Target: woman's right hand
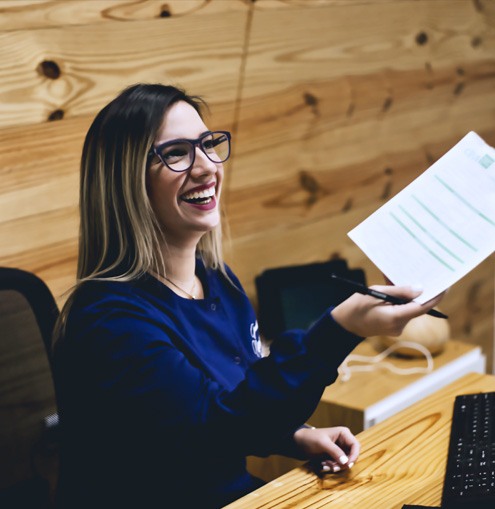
column 366, row 316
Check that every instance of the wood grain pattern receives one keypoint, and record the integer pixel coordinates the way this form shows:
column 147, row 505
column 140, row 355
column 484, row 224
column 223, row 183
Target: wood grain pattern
column 75, row 70
column 333, row 125
column 38, row 201
column 23, row 14
column 40, row 160
column 351, row 40
column 402, row 461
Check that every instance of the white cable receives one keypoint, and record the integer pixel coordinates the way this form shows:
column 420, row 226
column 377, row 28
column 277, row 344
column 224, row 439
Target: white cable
column 376, row 362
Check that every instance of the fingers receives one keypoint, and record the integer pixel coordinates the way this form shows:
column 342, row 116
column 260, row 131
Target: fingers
column 365, row 315
column 337, row 454
column 350, row 443
column 410, row 293
column 413, row 309
column 343, row 450
column 405, row 292
column 433, row 302
column 332, row 466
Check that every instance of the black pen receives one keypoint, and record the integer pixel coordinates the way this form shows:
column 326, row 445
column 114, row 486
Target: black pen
column 360, row 288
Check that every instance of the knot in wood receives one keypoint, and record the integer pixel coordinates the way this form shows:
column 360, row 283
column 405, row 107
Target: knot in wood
column 50, row 69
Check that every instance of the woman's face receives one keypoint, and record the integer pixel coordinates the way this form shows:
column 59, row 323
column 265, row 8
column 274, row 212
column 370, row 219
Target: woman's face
column 187, row 203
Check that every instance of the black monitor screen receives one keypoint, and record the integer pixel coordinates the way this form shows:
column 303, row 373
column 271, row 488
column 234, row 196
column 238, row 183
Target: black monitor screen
column 296, row 296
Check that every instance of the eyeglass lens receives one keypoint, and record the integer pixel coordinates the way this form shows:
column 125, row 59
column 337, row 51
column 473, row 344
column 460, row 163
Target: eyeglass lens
column 180, row 156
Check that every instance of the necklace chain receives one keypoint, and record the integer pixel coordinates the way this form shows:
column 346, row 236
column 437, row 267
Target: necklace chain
column 190, row 295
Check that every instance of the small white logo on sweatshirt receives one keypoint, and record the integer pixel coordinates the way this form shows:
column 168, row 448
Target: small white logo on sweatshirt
column 256, row 342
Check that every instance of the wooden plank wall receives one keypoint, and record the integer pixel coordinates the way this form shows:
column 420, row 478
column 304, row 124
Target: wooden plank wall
column 335, row 106
column 343, row 104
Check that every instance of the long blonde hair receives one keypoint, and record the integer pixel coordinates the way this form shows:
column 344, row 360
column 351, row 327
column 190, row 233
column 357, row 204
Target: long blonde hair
column 119, row 237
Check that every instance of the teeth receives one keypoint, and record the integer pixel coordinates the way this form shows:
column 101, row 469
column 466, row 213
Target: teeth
column 206, row 193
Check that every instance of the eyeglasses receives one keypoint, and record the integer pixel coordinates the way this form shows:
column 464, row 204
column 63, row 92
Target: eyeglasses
column 179, row 155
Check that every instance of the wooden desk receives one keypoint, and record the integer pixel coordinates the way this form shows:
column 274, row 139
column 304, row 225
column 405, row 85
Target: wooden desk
column 371, row 396
column 402, row 461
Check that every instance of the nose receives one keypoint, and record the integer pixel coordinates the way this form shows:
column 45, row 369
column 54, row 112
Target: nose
column 202, row 164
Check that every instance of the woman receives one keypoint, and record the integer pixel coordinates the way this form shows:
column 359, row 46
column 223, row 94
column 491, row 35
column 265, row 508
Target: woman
column 162, row 387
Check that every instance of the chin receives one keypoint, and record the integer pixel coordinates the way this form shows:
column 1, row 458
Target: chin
column 206, row 226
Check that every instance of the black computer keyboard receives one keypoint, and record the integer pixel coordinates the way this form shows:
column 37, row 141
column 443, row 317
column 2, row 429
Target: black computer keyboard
column 470, row 472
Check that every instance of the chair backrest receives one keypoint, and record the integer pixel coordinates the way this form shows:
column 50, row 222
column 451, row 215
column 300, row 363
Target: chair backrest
column 293, row 297
column 28, row 313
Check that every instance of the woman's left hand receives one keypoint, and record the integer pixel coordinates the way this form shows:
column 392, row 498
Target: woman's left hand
column 336, row 448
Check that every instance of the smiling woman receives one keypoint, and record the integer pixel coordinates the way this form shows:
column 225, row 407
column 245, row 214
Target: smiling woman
column 184, row 181
column 159, row 340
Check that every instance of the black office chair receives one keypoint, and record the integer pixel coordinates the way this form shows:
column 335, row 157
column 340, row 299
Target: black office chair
column 293, row 297
column 28, row 456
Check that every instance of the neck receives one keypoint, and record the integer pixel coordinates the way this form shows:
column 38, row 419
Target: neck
column 180, row 266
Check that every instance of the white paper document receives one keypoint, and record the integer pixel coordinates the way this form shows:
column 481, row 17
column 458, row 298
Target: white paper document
column 440, row 226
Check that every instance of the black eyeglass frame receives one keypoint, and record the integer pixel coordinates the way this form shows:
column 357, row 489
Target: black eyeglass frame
column 198, row 142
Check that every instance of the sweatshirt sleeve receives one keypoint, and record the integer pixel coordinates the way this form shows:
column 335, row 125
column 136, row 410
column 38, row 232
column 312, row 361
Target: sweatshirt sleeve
column 300, row 365
column 140, row 381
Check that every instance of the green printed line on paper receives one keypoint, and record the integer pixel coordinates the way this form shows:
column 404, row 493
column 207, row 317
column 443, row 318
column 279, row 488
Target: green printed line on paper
column 486, row 161
column 422, row 244
column 453, row 232
column 426, row 232
column 458, row 196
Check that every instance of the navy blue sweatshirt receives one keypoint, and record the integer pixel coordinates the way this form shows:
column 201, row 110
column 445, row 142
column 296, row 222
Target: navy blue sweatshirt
column 162, row 398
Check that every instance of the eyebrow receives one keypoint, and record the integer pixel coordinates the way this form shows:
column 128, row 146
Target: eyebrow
column 177, row 139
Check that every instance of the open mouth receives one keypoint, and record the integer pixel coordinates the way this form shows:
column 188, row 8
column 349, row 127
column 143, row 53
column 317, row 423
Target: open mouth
column 202, row 197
